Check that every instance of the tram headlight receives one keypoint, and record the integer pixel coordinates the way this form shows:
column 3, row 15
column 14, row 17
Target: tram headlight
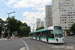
column 56, row 39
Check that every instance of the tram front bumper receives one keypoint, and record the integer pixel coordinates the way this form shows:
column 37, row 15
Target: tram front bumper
column 55, row 41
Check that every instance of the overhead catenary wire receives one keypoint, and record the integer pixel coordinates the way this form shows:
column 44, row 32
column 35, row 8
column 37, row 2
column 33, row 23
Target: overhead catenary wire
column 40, row 5
column 59, row 6
column 37, row 9
column 51, row 12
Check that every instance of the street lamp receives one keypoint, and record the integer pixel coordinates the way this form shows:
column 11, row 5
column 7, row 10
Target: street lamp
column 10, row 13
column 9, row 29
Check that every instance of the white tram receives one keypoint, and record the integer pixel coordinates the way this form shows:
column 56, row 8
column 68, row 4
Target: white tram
column 53, row 34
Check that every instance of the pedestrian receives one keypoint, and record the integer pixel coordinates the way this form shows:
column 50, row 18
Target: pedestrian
column 65, row 33
column 13, row 36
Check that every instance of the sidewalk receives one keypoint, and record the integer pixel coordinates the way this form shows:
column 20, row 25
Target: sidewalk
column 1, row 39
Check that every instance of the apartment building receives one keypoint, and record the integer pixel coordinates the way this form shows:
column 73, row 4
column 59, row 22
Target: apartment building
column 63, row 13
column 39, row 23
column 48, row 18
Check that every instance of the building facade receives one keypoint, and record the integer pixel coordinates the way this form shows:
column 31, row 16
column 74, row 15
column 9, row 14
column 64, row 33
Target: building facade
column 63, row 13
column 39, row 23
column 48, row 18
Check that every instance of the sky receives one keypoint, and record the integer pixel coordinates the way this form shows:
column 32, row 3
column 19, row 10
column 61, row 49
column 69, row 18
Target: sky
column 25, row 10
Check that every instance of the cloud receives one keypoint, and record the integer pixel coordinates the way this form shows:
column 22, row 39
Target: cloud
column 11, row 2
column 41, row 9
column 33, row 4
column 30, row 19
column 2, row 9
column 28, row 22
column 34, row 16
column 26, row 3
column 4, row 19
column 1, row 0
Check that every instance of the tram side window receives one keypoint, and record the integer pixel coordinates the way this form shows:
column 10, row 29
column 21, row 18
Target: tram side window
column 34, row 34
column 50, row 34
column 38, row 34
column 31, row 34
column 44, row 34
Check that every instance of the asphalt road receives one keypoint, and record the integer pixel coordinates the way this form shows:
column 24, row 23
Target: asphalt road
column 70, row 40
column 11, row 44
column 38, row 45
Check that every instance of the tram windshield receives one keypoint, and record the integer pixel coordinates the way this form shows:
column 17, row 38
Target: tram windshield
column 58, row 31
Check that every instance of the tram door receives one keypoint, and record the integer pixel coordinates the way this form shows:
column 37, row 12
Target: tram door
column 44, row 36
column 38, row 35
column 50, row 35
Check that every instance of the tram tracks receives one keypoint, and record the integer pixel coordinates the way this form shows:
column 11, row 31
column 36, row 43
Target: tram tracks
column 32, row 45
column 44, row 44
column 48, row 46
column 39, row 46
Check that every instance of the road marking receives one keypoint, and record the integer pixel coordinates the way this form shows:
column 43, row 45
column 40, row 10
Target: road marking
column 23, row 48
column 25, row 44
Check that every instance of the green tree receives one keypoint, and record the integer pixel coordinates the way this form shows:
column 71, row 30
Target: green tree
column 1, row 25
column 19, row 23
column 27, row 30
column 72, row 29
column 24, row 30
column 12, row 24
column 68, row 31
column 39, row 28
column 16, row 25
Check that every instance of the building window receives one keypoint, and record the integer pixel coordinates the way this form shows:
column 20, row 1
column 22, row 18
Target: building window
column 64, row 10
column 69, row 27
column 65, row 27
column 67, row 3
